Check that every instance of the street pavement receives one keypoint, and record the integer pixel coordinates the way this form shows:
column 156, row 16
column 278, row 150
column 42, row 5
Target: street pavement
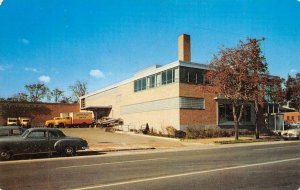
column 253, row 166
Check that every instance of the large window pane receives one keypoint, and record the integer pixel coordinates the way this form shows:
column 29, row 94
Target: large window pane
column 143, row 84
column 169, row 76
column 183, row 75
column 152, row 81
column 164, row 77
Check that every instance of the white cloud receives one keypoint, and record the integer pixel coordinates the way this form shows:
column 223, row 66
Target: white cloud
column 44, row 78
column 30, row 69
column 298, row 0
column 1, row 2
column 97, row 73
column 293, row 70
column 24, row 40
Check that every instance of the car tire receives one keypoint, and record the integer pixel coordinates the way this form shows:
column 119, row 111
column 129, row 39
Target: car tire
column 5, row 155
column 69, row 151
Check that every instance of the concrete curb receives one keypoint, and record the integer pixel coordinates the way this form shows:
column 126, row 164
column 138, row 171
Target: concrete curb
column 148, row 136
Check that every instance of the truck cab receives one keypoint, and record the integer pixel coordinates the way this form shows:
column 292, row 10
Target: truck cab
column 12, row 121
column 24, row 122
column 63, row 122
column 51, row 122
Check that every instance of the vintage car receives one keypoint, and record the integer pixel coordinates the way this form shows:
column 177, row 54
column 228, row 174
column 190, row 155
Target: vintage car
column 293, row 132
column 40, row 140
column 11, row 131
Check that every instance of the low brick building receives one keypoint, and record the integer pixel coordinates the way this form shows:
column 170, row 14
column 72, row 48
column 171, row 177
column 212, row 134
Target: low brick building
column 38, row 112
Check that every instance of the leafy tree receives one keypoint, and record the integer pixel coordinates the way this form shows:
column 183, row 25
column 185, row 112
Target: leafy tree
column 292, row 91
column 78, row 89
column 36, row 91
column 56, row 94
column 236, row 72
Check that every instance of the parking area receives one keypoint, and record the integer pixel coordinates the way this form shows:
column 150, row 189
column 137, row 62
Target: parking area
column 100, row 140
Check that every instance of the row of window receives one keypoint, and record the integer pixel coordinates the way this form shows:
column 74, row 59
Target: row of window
column 162, row 78
column 226, row 113
column 181, row 74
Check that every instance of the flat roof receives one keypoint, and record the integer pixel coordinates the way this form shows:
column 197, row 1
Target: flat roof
column 150, row 71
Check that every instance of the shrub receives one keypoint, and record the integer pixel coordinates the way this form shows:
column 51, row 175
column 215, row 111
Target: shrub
column 147, row 129
column 171, row 131
column 194, row 132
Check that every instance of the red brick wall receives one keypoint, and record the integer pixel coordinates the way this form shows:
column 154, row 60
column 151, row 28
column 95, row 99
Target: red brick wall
column 54, row 110
column 199, row 117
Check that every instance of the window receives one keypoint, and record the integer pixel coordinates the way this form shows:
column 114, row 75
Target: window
column 4, row 132
column 16, row 132
column 161, row 78
column 135, row 86
column 143, row 83
column 53, row 134
column 164, row 77
column 37, row 135
column 192, row 75
column 152, row 81
column 169, row 76
column 225, row 113
column 83, row 102
column 191, row 103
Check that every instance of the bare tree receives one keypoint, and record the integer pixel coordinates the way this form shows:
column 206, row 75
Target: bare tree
column 21, row 97
column 78, row 89
column 36, row 91
column 56, row 94
column 66, row 99
column 235, row 72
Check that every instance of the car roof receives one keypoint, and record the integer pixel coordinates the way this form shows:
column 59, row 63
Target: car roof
column 43, row 128
column 10, row 127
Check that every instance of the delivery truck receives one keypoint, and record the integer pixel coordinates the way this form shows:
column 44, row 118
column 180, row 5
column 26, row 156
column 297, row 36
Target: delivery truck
column 72, row 119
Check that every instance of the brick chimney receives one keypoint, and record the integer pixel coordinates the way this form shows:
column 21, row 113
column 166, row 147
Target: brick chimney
column 184, row 48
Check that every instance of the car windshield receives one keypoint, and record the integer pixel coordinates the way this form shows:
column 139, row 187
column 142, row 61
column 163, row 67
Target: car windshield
column 60, row 133
column 294, row 126
column 25, row 133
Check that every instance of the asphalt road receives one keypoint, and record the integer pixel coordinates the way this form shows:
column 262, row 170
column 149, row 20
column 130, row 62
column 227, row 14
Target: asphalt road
column 268, row 166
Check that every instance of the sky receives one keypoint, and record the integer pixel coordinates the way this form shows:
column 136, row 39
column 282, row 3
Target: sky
column 102, row 42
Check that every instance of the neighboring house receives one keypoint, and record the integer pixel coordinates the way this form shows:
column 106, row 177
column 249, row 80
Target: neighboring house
column 292, row 117
column 175, row 95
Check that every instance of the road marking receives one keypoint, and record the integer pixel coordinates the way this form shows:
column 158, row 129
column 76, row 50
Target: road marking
column 184, row 174
column 110, row 163
column 275, row 147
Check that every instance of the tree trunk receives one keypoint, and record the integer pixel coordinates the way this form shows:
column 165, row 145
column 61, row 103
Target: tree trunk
column 236, row 122
column 236, row 127
column 256, row 119
column 256, row 128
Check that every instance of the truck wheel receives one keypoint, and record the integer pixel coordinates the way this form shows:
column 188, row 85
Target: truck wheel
column 5, row 155
column 69, row 151
column 50, row 125
column 61, row 125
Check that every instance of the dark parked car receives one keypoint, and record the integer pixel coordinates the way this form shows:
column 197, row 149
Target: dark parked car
column 10, row 131
column 40, row 140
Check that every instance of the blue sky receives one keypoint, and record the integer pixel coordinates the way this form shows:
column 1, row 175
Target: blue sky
column 105, row 41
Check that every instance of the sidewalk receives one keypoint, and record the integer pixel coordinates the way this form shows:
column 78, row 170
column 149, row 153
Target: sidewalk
column 102, row 141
